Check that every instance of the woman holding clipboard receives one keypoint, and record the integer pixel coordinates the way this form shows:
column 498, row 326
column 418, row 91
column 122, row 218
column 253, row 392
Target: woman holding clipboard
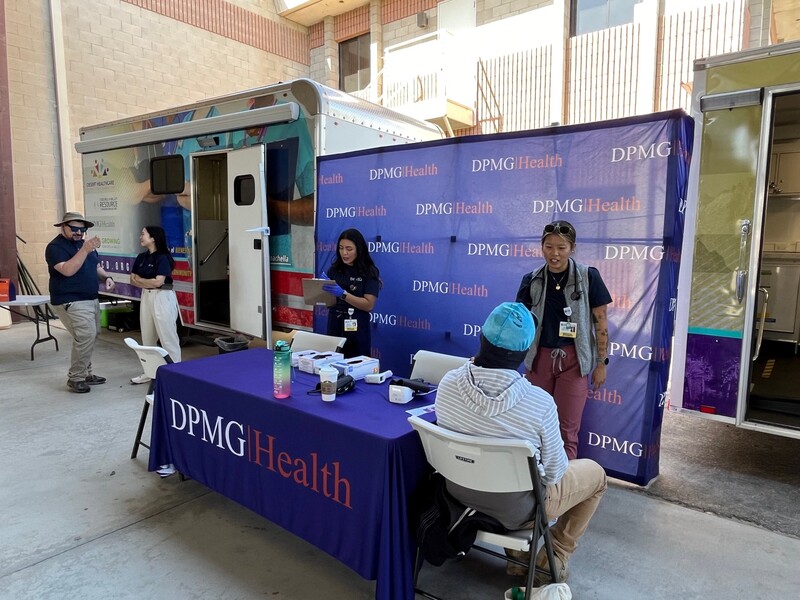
column 356, row 290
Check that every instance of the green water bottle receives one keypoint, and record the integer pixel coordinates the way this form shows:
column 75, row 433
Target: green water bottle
column 282, row 370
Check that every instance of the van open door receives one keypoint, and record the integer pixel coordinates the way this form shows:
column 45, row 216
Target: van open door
column 727, row 317
column 248, row 243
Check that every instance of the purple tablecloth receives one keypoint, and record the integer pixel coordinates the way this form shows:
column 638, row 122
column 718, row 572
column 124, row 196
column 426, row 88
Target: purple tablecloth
column 336, row 474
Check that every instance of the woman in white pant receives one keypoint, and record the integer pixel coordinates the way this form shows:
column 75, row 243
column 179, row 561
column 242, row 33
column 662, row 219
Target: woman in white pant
column 152, row 271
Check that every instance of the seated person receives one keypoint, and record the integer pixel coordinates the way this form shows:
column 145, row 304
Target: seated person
column 489, row 397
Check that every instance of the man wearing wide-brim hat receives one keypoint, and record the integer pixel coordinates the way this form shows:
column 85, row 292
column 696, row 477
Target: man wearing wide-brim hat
column 75, row 278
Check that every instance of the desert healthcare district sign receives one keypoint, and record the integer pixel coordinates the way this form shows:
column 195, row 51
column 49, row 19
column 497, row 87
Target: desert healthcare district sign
column 453, row 226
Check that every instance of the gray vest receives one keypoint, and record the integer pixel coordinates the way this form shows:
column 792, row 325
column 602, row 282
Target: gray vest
column 585, row 343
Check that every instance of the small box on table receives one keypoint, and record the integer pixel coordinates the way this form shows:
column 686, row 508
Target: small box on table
column 296, row 356
column 313, row 362
column 358, row 367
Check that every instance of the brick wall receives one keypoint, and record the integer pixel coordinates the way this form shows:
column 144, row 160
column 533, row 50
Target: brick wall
column 325, row 56
column 122, row 58
column 33, row 129
column 351, row 24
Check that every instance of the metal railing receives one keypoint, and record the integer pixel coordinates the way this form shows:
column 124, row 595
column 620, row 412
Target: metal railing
column 685, row 37
column 601, row 78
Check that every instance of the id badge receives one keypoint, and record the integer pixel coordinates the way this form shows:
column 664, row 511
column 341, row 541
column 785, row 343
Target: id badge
column 567, row 329
column 351, row 324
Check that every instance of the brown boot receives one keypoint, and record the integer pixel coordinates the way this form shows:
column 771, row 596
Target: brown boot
column 514, row 569
column 542, row 575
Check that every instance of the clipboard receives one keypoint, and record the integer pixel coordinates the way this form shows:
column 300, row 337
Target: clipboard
column 313, row 293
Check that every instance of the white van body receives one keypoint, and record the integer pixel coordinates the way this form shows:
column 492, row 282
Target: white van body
column 228, row 178
column 738, row 320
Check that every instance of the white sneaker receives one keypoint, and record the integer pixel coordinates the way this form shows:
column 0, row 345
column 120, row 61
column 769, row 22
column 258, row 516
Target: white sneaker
column 140, row 379
column 166, row 470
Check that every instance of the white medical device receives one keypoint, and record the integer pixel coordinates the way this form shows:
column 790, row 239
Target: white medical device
column 377, row 377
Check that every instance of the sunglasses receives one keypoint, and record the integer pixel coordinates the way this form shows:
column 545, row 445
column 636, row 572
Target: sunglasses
column 77, row 229
column 562, row 229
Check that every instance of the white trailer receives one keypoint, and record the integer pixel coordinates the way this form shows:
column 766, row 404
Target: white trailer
column 738, row 317
column 233, row 182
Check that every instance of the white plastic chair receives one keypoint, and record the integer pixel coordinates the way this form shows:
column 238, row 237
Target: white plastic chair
column 151, row 358
column 306, row 340
column 489, row 465
column 431, row 366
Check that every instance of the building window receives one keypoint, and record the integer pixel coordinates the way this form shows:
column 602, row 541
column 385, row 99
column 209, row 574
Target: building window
column 594, row 15
column 354, row 64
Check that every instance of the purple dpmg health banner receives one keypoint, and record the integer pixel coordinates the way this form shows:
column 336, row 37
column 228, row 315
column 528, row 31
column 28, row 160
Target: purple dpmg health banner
column 454, row 225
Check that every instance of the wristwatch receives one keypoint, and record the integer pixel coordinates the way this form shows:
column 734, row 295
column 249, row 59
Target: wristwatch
column 602, row 362
column 343, row 295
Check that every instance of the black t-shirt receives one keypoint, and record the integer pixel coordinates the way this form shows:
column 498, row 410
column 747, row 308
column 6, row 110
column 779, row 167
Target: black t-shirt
column 354, row 283
column 556, row 301
column 149, row 266
column 83, row 285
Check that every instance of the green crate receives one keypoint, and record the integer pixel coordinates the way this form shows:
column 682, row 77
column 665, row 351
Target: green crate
column 112, row 308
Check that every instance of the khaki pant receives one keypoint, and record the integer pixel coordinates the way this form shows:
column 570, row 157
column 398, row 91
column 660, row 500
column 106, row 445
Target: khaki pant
column 574, row 500
column 82, row 320
column 158, row 316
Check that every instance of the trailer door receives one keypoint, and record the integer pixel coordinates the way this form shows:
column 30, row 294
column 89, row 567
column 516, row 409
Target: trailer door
column 248, row 249
column 720, row 327
column 725, row 201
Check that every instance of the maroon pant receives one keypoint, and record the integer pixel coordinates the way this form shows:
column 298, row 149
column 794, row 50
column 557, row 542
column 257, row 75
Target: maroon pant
column 560, row 376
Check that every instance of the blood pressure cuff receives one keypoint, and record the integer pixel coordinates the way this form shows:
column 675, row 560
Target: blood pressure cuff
column 344, row 383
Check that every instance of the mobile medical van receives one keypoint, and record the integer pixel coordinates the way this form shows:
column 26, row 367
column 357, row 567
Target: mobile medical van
column 738, row 323
column 233, row 182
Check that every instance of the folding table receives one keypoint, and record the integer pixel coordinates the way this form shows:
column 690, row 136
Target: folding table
column 37, row 303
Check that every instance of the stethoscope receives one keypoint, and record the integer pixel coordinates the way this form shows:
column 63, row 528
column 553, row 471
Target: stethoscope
column 577, row 283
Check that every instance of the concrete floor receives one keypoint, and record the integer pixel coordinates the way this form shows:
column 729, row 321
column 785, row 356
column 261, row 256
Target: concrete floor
column 80, row 519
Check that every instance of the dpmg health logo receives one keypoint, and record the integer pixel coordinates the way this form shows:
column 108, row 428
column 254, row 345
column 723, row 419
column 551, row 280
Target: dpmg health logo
column 352, row 212
column 332, row 179
column 610, row 443
column 449, row 288
column 641, row 152
column 454, row 208
column 401, row 247
column 403, row 172
column 504, row 250
column 403, row 321
column 633, row 252
column 517, row 163
column 638, row 352
column 603, row 394
column 587, row 205
column 310, row 470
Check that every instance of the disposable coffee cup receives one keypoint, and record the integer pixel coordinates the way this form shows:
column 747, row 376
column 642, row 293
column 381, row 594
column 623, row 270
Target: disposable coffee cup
column 327, row 383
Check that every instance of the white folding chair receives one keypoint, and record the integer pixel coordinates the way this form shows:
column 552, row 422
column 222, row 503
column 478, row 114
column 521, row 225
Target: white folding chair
column 489, row 465
column 151, row 358
column 431, row 366
column 306, row 340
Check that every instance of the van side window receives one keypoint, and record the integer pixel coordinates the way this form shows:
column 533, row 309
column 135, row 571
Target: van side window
column 244, row 190
column 167, row 175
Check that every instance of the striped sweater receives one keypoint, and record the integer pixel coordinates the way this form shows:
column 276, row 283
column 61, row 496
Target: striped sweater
column 502, row 403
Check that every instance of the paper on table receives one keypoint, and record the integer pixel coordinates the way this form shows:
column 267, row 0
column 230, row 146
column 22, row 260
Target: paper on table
column 421, row 410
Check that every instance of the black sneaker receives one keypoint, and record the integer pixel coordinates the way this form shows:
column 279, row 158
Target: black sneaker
column 95, row 380
column 78, row 387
